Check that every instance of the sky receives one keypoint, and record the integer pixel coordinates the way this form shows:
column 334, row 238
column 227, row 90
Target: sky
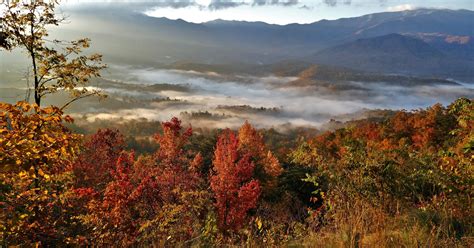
column 279, row 11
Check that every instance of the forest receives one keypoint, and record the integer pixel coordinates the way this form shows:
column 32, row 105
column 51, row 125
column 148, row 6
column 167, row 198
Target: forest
column 401, row 179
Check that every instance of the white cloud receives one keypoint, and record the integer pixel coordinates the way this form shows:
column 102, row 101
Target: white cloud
column 401, row 7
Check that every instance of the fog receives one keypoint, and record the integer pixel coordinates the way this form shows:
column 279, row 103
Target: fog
column 209, row 99
column 269, row 101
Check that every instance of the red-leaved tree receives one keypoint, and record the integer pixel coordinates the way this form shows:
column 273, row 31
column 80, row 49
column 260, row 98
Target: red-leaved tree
column 153, row 199
column 97, row 160
column 235, row 190
column 267, row 166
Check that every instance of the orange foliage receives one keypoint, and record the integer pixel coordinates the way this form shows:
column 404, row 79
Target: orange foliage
column 251, row 142
column 36, row 152
column 235, row 190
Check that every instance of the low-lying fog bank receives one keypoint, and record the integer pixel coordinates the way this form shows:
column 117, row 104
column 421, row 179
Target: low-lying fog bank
column 214, row 100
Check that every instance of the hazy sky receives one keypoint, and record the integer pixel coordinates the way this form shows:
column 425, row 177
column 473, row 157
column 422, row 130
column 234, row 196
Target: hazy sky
column 281, row 11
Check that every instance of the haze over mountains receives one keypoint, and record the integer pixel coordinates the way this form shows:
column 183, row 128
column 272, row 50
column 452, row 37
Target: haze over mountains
column 429, row 42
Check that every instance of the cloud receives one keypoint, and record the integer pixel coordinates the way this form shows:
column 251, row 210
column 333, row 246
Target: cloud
column 177, row 3
column 401, row 7
column 334, row 3
column 275, row 2
column 306, row 7
column 218, row 4
column 383, row 2
column 224, row 4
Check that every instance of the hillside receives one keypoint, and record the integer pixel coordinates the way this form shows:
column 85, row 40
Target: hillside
column 406, row 175
column 306, row 73
column 394, row 53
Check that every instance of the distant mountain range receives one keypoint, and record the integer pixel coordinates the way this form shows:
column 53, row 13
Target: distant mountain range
column 395, row 53
column 422, row 42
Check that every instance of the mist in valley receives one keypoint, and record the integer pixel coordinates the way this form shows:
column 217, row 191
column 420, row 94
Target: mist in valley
column 211, row 100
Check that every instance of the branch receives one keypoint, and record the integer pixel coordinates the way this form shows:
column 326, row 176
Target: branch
column 42, row 83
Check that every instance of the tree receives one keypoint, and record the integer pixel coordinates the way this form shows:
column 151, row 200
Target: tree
column 155, row 199
column 24, row 24
column 36, row 152
column 267, row 166
column 234, row 189
column 97, row 159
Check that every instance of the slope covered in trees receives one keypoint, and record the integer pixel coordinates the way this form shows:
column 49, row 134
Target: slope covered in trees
column 401, row 181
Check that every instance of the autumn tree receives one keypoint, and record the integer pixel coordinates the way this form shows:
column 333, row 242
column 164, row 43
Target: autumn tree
column 25, row 24
column 267, row 166
column 154, row 199
column 36, row 152
column 234, row 189
column 177, row 168
column 100, row 152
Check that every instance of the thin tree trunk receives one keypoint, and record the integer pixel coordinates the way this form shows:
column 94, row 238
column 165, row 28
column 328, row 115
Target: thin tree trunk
column 33, row 59
column 38, row 102
column 37, row 95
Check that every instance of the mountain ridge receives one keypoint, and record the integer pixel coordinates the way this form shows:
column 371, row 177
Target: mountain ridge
column 392, row 53
column 234, row 42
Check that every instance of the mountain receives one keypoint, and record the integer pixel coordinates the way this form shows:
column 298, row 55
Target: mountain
column 393, row 53
column 461, row 46
column 455, row 22
column 302, row 38
column 129, row 37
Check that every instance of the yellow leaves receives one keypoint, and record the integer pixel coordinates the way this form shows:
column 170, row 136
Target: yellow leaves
column 258, row 222
column 30, row 175
column 4, row 105
column 49, row 138
column 23, row 174
column 60, row 72
column 272, row 165
column 34, row 137
column 44, row 175
column 32, row 172
column 48, row 110
column 25, row 107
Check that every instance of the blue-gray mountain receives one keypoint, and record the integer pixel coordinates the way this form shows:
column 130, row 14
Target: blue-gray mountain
column 395, row 53
column 423, row 42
